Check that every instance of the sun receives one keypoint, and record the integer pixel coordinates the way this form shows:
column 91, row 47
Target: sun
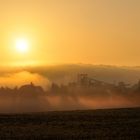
column 22, row 45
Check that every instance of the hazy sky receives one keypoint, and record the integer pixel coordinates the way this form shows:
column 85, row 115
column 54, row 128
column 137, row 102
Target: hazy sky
column 71, row 31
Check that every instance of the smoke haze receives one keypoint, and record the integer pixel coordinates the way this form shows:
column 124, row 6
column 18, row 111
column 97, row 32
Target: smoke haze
column 57, row 94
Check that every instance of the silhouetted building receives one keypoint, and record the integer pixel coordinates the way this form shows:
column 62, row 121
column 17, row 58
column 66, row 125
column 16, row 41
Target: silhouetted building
column 83, row 79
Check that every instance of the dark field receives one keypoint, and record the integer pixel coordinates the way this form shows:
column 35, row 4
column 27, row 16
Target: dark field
column 96, row 124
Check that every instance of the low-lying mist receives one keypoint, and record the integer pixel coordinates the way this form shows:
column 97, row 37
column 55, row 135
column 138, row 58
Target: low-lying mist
column 21, row 78
column 57, row 88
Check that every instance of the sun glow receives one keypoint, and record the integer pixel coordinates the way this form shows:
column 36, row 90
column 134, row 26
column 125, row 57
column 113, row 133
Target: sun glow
column 22, row 45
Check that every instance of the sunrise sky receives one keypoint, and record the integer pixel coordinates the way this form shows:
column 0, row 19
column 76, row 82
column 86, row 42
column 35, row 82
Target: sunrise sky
column 70, row 31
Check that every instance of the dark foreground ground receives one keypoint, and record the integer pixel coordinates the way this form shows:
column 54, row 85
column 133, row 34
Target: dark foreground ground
column 111, row 124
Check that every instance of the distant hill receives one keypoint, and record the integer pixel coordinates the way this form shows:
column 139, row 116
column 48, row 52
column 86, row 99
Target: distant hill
column 111, row 74
column 68, row 72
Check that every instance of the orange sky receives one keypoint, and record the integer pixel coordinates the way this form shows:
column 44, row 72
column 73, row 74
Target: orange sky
column 71, row 31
